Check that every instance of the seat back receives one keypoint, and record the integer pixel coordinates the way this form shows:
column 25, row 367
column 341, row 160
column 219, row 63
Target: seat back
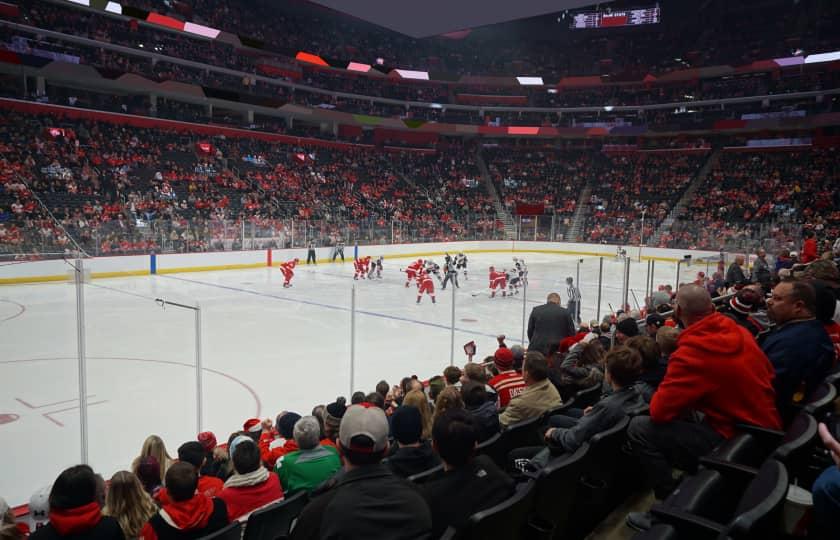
column 276, row 519
column 798, row 444
column 604, row 448
column 230, row 532
column 758, row 514
column 821, row 400
column 556, row 489
column 661, row 531
column 588, row 396
column 521, row 434
column 505, row 520
column 494, row 449
column 425, row 476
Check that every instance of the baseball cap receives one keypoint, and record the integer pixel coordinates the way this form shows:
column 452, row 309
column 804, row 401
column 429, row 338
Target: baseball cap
column 364, row 420
column 39, row 505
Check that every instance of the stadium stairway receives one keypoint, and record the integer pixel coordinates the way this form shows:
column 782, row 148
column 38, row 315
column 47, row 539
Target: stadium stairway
column 686, row 198
column 501, row 212
column 573, row 235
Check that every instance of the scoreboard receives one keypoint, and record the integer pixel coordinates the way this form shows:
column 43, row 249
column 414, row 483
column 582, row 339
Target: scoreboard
column 629, row 17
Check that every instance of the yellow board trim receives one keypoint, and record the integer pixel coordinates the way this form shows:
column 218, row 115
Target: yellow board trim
column 221, row 267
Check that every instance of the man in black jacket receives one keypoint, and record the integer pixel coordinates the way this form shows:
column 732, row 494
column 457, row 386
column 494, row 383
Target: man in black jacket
column 549, row 324
column 469, row 484
column 368, row 501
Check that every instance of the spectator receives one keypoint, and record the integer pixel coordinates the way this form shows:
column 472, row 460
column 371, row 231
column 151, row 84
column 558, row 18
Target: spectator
column 508, row 383
column 653, row 367
column 809, row 248
column 449, row 398
column 741, row 308
column 74, row 512
column 368, row 501
column 271, row 448
column 483, row 409
column 193, row 453
column 624, row 365
column 735, row 273
column 187, row 513
column 148, row 472
column 666, row 338
column 9, row 528
column 212, row 463
column 653, row 323
column 382, row 388
column 312, row 464
column 476, row 373
column 583, row 366
column 798, row 347
column 357, row 397
column 625, row 329
column 470, row 483
column 761, row 269
column 333, row 413
column 717, row 370
column 128, row 503
column 252, row 485
column 539, row 395
column 549, row 324
column 413, row 454
column 452, row 375
column 153, row 446
column 436, row 385
column 418, row 400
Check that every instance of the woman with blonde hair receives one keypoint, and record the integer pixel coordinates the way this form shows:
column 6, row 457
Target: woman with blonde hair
column 418, row 400
column 128, row 503
column 153, row 446
column 449, row 398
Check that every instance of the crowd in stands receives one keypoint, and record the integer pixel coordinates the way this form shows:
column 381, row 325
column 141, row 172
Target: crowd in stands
column 680, row 379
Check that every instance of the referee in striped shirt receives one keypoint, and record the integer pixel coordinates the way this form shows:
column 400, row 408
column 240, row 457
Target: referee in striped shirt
column 573, row 303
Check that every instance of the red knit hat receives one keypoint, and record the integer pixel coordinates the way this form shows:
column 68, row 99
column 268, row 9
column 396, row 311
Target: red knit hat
column 207, row 440
column 252, row 425
column 503, row 358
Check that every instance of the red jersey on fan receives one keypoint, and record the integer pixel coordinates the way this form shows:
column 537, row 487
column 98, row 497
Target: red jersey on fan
column 508, row 385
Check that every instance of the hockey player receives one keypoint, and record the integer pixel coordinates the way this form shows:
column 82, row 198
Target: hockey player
column 425, row 284
column 497, row 280
column 375, row 268
column 288, row 270
column 461, row 263
column 521, row 270
column 412, row 270
column 450, row 273
column 432, row 268
column 360, row 268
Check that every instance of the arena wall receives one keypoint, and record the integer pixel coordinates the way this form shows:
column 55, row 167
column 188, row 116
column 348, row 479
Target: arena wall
column 138, row 265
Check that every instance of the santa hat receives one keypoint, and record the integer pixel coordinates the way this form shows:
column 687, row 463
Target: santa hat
column 252, row 425
column 569, row 341
column 503, row 358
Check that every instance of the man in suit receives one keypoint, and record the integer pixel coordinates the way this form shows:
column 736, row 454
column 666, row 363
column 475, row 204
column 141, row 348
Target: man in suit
column 549, row 324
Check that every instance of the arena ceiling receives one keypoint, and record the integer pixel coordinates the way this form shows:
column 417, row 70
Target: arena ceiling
column 434, row 17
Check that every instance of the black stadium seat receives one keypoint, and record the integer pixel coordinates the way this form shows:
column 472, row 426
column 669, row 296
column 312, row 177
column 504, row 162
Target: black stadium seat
column 231, row 532
column 425, row 476
column 506, row 520
column 757, row 516
column 275, row 520
column 821, row 401
column 588, row 396
column 556, row 492
column 658, row 532
column 493, row 449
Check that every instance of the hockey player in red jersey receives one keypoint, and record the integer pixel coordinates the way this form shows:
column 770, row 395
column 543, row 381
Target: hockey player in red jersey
column 411, row 271
column 497, row 279
column 361, row 267
column 425, row 284
column 288, row 270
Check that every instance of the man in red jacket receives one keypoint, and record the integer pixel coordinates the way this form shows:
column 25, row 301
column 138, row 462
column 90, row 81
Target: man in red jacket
column 718, row 371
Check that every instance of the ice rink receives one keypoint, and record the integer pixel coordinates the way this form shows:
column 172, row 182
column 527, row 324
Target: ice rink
column 265, row 349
